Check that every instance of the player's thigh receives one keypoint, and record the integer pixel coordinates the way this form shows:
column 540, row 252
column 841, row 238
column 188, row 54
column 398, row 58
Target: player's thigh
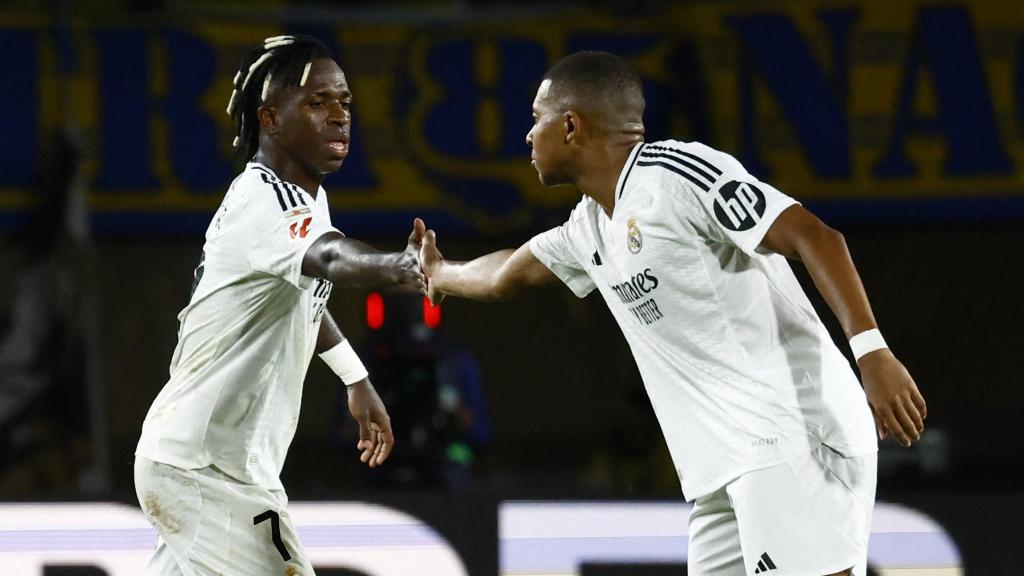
column 211, row 524
column 163, row 563
column 714, row 547
column 263, row 537
column 860, row 477
column 800, row 518
column 172, row 502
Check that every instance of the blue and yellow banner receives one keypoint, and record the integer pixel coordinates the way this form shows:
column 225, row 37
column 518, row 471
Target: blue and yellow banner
column 872, row 108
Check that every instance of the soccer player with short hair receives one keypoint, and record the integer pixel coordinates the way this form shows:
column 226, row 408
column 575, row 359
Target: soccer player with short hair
column 214, row 441
column 768, row 427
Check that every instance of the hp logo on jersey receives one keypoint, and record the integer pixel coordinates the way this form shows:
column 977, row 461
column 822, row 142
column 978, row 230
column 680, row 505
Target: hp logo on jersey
column 739, row 206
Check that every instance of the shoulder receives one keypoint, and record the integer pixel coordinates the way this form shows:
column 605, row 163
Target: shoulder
column 691, row 163
column 264, row 191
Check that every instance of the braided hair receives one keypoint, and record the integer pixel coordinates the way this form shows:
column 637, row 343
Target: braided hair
column 281, row 61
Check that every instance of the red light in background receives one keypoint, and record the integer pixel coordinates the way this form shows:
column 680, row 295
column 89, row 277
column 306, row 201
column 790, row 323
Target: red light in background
column 431, row 313
column 374, row 311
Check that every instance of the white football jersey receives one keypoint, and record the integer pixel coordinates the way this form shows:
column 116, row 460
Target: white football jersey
column 246, row 337
column 740, row 370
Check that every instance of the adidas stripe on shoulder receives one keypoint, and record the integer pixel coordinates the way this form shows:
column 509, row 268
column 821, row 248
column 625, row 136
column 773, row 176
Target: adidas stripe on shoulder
column 697, row 170
column 289, row 197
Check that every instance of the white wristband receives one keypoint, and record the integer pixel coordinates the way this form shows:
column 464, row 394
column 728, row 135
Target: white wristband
column 865, row 342
column 345, row 363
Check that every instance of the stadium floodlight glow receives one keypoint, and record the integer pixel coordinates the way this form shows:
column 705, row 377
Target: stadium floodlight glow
column 375, row 311
column 431, row 313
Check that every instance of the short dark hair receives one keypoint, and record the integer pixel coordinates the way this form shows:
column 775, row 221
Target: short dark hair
column 281, row 61
column 600, row 78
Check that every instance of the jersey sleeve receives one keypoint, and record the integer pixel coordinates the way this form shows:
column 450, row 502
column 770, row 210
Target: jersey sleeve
column 737, row 207
column 283, row 224
column 554, row 248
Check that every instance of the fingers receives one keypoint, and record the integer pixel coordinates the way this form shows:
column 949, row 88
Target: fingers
column 916, row 419
column 429, row 257
column 417, row 279
column 367, row 446
column 369, row 450
column 908, row 429
column 418, row 229
column 376, row 450
column 366, row 439
column 883, row 432
column 902, row 421
column 898, row 405
column 386, row 440
column 410, row 272
column 377, row 445
column 380, row 452
column 919, row 403
column 435, row 296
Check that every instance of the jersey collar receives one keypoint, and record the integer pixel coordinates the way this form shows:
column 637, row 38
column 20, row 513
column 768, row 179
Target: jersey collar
column 624, row 175
column 264, row 167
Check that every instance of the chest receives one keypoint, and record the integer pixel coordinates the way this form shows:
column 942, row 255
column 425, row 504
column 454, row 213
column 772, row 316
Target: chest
column 641, row 239
column 633, row 261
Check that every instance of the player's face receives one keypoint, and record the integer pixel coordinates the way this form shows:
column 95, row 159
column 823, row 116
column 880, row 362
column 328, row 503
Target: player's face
column 315, row 119
column 550, row 155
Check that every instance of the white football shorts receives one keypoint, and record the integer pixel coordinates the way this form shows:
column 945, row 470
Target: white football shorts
column 211, row 524
column 810, row 516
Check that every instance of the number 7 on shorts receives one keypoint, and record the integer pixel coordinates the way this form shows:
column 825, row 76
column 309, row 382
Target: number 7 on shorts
column 275, row 531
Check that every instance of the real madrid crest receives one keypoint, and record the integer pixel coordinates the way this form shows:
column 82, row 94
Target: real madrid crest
column 634, row 240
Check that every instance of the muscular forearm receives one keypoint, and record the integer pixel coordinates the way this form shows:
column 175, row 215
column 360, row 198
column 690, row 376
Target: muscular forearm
column 800, row 235
column 479, row 279
column 330, row 335
column 352, row 263
column 830, row 266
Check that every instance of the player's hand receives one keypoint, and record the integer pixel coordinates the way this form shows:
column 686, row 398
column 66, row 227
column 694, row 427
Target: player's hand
column 375, row 436
column 896, row 402
column 430, row 260
column 408, row 264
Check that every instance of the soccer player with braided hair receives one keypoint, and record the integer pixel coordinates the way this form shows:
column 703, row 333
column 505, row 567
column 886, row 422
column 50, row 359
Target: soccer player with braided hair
column 214, row 441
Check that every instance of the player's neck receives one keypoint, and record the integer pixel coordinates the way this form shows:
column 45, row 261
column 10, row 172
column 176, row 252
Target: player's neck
column 600, row 174
column 289, row 171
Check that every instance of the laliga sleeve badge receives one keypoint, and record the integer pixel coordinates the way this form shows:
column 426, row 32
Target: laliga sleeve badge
column 634, row 240
column 296, row 231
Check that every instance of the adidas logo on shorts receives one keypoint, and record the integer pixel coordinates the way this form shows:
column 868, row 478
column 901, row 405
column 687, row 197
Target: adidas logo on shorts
column 765, row 564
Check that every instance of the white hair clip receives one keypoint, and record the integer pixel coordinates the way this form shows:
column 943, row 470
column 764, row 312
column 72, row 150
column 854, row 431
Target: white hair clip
column 252, row 68
column 305, row 74
column 276, row 41
column 266, row 87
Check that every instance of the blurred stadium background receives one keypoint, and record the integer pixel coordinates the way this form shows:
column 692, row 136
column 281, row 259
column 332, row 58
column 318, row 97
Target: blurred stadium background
column 900, row 123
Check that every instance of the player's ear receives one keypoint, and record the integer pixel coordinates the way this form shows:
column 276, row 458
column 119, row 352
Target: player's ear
column 571, row 120
column 268, row 119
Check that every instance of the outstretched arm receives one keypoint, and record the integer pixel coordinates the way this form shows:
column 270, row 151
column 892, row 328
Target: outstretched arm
column 375, row 436
column 501, row 275
column 349, row 262
column 895, row 400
